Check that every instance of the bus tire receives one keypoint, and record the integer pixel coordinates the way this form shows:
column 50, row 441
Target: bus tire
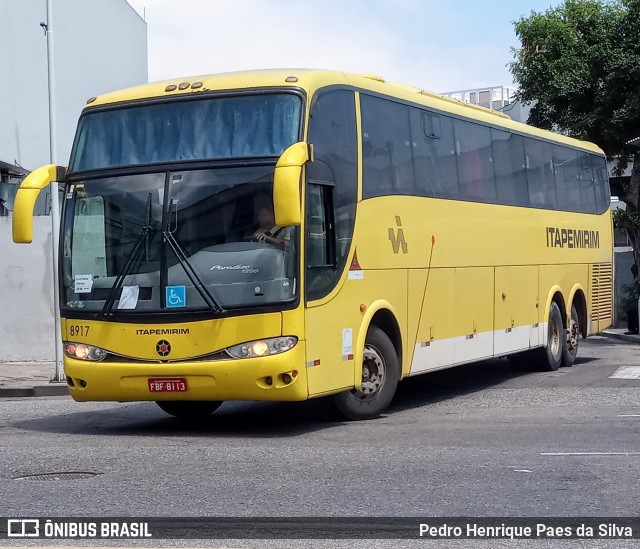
column 572, row 339
column 380, row 375
column 550, row 357
column 189, row 409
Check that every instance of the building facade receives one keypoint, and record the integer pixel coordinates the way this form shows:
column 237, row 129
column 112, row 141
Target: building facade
column 497, row 98
column 97, row 47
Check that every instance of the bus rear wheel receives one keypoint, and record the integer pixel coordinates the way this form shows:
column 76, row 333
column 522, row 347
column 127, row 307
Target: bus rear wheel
column 550, row 357
column 380, row 375
column 189, row 409
column 572, row 339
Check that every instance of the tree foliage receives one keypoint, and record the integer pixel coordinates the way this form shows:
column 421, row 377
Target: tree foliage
column 579, row 65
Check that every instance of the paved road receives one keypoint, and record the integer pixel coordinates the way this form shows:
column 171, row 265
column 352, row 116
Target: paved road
column 483, row 440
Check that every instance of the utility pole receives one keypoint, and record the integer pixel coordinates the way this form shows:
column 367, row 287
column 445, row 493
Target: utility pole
column 55, row 202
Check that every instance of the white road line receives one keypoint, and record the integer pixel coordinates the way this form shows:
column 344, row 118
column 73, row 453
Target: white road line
column 590, row 453
column 626, row 372
column 628, row 415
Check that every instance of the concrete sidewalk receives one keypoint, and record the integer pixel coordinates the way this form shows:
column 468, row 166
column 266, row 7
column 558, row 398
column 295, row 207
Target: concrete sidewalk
column 33, row 379
column 29, row 379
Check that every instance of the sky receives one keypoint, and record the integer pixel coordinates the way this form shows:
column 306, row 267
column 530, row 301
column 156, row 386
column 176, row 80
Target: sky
column 438, row 45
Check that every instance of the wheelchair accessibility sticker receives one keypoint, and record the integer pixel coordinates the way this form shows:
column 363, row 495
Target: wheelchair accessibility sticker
column 176, row 296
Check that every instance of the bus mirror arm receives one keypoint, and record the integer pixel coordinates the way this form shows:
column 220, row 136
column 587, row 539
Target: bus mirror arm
column 286, row 184
column 33, row 184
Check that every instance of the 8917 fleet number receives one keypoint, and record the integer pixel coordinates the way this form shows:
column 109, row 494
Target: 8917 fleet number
column 78, row 331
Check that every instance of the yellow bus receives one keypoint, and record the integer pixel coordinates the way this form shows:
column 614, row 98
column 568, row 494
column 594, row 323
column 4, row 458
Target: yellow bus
column 293, row 234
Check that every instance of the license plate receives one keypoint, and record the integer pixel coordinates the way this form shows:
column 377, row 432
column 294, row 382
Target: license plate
column 167, row 384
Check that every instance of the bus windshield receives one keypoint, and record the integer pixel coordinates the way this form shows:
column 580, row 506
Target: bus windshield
column 176, row 240
column 206, row 128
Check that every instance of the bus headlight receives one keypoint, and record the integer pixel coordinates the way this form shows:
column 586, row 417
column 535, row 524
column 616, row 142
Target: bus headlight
column 83, row 351
column 262, row 347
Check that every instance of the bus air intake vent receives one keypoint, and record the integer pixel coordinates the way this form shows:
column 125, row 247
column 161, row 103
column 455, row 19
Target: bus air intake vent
column 602, row 292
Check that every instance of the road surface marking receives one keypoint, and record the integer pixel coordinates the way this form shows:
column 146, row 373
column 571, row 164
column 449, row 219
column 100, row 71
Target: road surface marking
column 590, row 453
column 628, row 415
column 626, row 372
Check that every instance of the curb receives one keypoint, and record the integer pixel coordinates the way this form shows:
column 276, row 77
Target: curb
column 53, row 389
column 622, row 337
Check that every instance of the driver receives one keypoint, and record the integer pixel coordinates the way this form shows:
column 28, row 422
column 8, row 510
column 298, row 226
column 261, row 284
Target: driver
column 269, row 231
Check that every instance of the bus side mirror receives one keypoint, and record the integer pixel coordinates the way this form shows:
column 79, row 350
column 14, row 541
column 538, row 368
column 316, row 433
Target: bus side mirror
column 22, row 224
column 286, row 184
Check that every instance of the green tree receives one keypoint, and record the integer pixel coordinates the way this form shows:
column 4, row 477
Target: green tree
column 579, row 65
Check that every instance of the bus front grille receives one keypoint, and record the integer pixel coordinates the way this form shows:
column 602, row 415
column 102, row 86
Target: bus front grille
column 602, row 291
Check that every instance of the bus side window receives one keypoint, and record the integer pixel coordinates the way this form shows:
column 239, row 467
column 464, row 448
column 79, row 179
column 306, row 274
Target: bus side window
column 387, row 146
column 319, row 227
column 434, row 158
column 511, row 176
column 332, row 186
column 587, row 189
column 542, row 187
column 566, row 164
column 475, row 162
column 601, row 183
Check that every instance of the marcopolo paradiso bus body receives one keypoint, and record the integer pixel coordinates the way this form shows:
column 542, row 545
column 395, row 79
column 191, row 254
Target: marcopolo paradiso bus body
column 293, row 234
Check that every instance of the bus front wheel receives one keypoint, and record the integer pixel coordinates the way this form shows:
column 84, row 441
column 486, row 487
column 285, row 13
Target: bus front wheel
column 189, row 409
column 380, row 375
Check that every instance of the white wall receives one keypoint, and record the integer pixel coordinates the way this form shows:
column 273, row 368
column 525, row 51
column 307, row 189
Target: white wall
column 105, row 45
column 99, row 46
column 26, row 313
column 23, row 93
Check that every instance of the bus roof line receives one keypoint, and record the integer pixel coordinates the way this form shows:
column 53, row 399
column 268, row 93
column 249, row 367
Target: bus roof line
column 463, row 104
column 432, row 95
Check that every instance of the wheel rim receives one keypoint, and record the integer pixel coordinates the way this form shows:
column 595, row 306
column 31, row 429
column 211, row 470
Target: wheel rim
column 572, row 336
column 555, row 343
column 373, row 375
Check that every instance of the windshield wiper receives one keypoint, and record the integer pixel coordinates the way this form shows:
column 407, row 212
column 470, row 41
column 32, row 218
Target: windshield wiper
column 129, row 263
column 167, row 234
column 191, row 273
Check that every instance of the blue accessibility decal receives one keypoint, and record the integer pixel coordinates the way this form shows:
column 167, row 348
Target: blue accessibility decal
column 176, row 296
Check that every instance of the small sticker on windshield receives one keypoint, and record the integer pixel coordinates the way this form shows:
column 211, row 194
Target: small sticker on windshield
column 129, row 297
column 82, row 284
column 176, row 296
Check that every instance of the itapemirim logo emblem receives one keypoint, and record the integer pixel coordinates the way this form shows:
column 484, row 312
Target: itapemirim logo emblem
column 397, row 238
column 163, row 347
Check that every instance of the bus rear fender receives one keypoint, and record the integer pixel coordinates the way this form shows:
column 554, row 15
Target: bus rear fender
column 382, row 314
column 555, row 294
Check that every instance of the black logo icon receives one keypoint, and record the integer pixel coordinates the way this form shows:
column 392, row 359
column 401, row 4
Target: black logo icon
column 163, row 347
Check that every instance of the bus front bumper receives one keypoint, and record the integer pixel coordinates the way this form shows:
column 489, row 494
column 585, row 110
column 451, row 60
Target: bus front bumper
column 276, row 377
